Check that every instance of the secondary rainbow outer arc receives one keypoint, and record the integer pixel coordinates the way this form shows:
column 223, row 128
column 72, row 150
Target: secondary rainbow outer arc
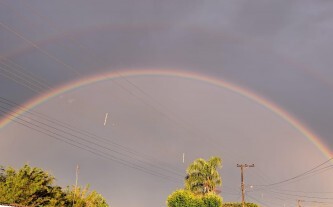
column 159, row 25
column 175, row 73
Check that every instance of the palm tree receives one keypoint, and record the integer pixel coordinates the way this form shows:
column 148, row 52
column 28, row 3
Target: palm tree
column 202, row 176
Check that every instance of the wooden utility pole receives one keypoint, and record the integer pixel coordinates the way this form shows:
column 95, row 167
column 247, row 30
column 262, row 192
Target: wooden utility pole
column 242, row 180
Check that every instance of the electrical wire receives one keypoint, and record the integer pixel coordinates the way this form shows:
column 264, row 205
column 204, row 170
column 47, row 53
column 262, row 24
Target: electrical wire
column 301, row 196
column 78, row 135
column 295, row 177
column 80, row 131
column 84, row 146
column 4, row 73
column 34, row 45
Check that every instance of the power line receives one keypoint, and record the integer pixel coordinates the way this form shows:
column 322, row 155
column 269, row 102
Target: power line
column 295, row 177
column 317, row 171
column 302, row 196
column 51, row 128
column 260, row 202
column 64, row 127
column 71, row 140
column 17, row 80
column 306, row 192
column 292, row 197
column 34, row 45
column 92, row 150
column 23, row 77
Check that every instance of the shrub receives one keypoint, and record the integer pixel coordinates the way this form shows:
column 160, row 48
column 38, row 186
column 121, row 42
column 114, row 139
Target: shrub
column 240, row 205
column 212, row 200
column 184, row 198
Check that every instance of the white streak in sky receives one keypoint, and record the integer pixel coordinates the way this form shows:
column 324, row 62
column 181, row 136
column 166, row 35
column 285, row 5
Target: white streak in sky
column 106, row 117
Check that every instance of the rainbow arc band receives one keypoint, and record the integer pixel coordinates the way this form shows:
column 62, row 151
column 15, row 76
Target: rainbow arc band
column 278, row 111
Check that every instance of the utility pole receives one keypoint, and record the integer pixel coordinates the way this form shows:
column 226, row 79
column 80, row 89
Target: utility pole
column 242, row 180
column 76, row 180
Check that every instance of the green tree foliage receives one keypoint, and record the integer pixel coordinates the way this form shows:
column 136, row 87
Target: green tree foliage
column 34, row 187
column 185, row 198
column 82, row 197
column 200, row 185
column 212, row 200
column 29, row 186
column 2, row 174
column 202, row 176
column 240, row 205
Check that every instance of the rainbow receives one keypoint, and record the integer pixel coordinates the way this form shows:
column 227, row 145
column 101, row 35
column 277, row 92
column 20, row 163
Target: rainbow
column 175, row 73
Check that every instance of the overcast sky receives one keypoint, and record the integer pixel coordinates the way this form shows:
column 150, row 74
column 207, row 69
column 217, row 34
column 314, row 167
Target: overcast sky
column 279, row 50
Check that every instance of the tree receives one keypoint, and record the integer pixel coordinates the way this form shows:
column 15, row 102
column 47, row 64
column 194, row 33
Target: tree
column 185, row 198
column 200, row 185
column 29, row 186
column 202, row 176
column 34, row 187
column 212, row 200
column 82, row 197
column 2, row 174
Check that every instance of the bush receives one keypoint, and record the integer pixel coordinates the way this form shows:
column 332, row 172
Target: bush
column 185, row 198
column 240, row 205
column 212, row 200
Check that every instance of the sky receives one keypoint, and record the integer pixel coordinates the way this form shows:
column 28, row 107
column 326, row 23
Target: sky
column 249, row 81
